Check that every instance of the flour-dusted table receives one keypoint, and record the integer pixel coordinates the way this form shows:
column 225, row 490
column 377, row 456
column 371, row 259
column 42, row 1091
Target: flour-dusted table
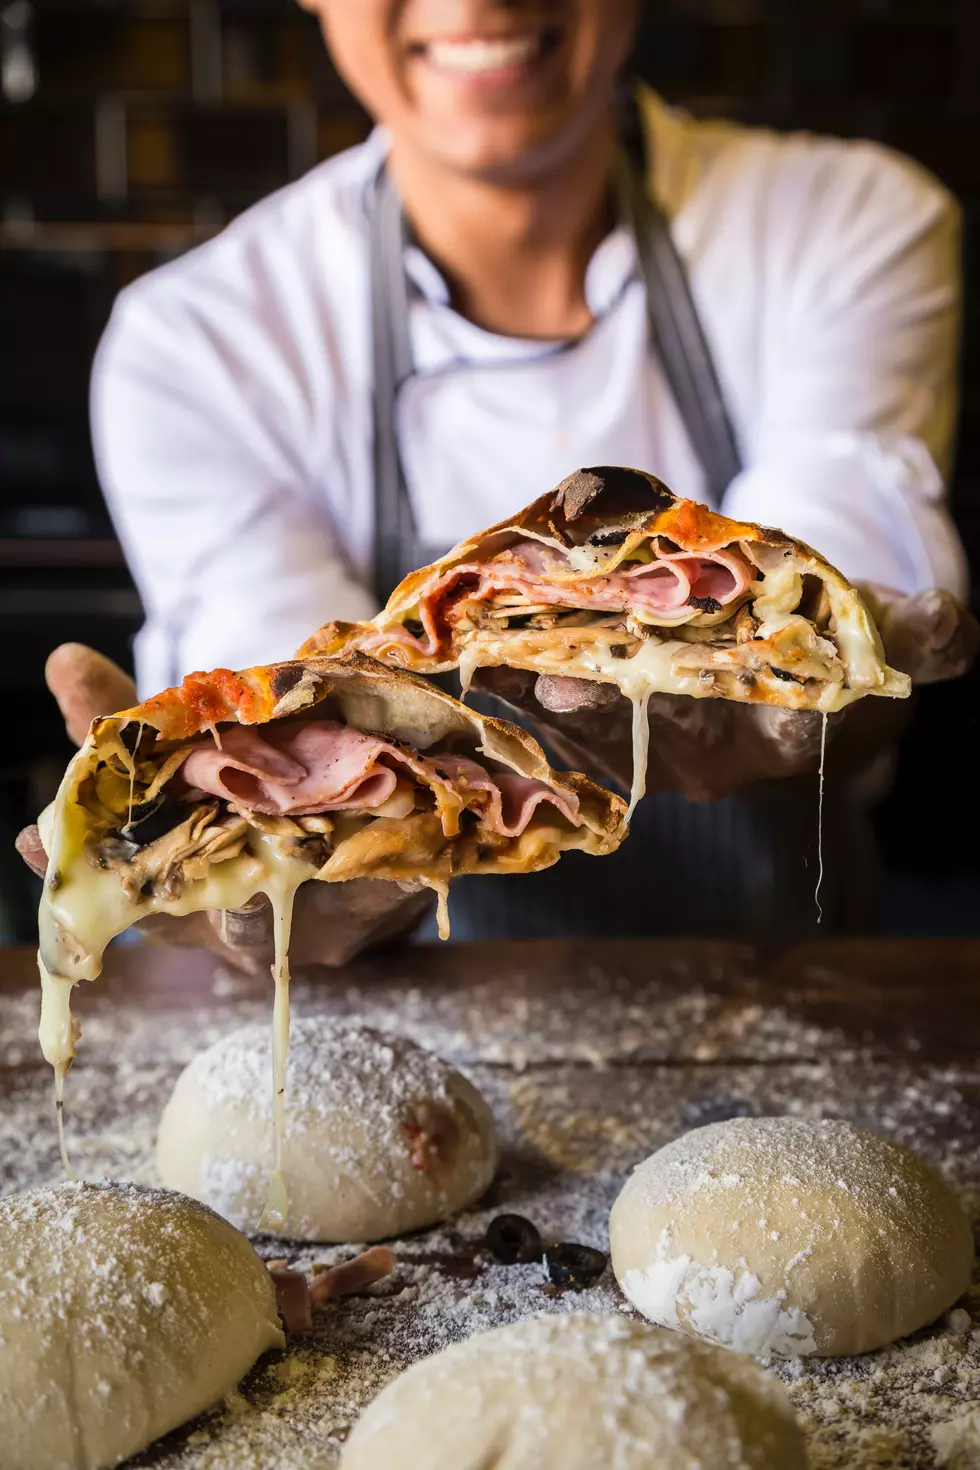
column 591, row 1055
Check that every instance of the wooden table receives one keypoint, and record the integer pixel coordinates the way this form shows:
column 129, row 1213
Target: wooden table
column 591, row 1056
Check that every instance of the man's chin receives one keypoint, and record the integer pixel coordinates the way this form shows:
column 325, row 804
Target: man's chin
column 505, row 151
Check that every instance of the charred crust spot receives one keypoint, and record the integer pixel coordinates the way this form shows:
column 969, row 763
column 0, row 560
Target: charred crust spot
column 705, row 604
column 285, row 679
column 626, row 491
column 575, row 492
column 746, row 679
column 608, row 538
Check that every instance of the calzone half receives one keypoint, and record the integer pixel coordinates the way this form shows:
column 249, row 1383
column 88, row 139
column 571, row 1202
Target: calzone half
column 236, row 784
column 612, row 578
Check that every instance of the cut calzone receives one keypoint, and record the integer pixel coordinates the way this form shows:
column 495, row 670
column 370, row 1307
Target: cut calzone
column 238, row 784
column 612, row 578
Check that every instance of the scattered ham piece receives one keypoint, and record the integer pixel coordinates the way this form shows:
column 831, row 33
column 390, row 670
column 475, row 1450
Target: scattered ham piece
column 667, row 586
column 323, row 766
column 293, row 1296
column 353, row 1276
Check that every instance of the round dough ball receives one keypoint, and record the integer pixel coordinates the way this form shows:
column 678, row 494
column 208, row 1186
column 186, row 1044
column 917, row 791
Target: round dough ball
column 579, row 1392
column 381, row 1136
column 123, row 1313
column 780, row 1235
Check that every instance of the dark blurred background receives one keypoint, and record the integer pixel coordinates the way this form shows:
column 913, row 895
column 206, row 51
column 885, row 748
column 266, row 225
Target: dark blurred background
column 131, row 129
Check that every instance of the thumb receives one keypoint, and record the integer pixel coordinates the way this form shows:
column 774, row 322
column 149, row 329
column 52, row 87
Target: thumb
column 86, row 685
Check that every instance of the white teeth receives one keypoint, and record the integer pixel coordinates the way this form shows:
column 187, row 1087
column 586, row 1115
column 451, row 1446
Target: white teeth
column 477, row 56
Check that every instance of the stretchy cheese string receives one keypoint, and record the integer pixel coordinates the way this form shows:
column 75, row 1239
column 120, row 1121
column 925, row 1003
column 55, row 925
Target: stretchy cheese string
column 59, row 1103
column 442, row 908
column 277, row 1200
column 641, row 750
column 823, row 753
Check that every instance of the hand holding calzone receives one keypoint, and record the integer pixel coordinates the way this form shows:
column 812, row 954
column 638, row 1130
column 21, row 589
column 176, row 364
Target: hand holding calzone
column 709, row 749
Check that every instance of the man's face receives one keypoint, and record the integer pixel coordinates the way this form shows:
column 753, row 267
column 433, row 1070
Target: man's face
column 490, row 88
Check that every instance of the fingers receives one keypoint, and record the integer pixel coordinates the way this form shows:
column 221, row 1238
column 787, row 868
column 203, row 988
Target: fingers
column 28, row 844
column 709, row 749
column 792, row 737
column 561, row 696
column 86, row 685
column 930, row 636
column 331, row 922
column 248, row 930
column 939, row 637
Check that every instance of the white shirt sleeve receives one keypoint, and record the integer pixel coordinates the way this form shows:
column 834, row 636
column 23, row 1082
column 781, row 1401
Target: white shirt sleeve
column 202, row 444
column 858, row 405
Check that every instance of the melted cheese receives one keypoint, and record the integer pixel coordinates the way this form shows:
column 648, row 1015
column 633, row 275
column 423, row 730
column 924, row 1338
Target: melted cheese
column 440, row 887
column 87, row 906
column 84, row 906
column 59, row 1107
column 823, row 760
column 854, row 665
column 641, row 753
column 286, row 877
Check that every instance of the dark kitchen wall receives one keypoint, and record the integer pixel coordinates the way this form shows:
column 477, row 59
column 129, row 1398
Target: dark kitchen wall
column 129, row 129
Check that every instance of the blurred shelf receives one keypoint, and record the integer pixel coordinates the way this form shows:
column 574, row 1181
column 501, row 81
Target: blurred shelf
column 41, row 554
column 124, row 236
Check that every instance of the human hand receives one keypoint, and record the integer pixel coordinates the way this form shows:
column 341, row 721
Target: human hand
column 711, row 748
column 331, row 922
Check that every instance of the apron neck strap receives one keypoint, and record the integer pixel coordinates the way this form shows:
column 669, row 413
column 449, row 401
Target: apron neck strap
column 676, row 335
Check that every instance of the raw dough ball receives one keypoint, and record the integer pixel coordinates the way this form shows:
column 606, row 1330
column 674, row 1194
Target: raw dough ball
column 780, row 1235
column 579, row 1393
column 123, row 1313
column 381, row 1136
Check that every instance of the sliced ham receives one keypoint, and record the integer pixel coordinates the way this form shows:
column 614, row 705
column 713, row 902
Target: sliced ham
column 667, row 587
column 508, row 799
column 293, row 769
column 323, row 766
column 353, row 1276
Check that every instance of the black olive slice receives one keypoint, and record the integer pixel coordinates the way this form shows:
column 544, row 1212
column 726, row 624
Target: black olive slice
column 512, row 1239
column 150, row 820
column 572, row 1265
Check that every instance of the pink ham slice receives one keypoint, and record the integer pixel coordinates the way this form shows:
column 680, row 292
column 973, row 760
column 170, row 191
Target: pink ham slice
column 508, row 799
column 665, row 586
column 294, row 770
column 323, row 766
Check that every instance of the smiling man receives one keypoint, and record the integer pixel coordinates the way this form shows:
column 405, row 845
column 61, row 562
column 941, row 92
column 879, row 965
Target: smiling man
column 426, row 332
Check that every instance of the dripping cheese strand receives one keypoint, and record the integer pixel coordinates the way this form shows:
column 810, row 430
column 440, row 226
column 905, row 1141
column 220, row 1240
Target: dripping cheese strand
column 59, row 1105
column 442, row 907
column 281, row 895
column 58, row 1031
column 132, row 785
column 641, row 749
column 823, row 754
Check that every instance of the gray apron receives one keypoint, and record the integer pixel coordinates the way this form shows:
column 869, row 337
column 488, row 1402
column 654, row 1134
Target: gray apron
column 745, row 866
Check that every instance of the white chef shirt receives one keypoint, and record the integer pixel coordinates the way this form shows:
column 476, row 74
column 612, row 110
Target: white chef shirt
column 231, row 398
